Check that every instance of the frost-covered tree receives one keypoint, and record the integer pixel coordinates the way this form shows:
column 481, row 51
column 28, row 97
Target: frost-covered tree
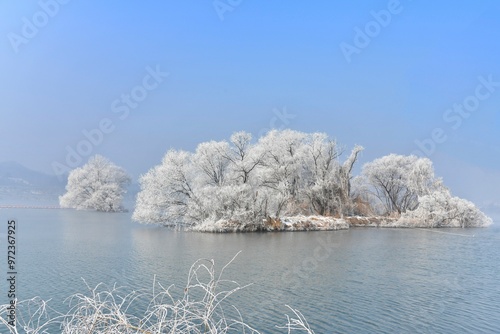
column 441, row 209
column 289, row 173
column 397, row 181
column 406, row 185
column 98, row 185
column 320, row 182
column 285, row 172
column 345, row 177
column 168, row 191
column 326, row 181
column 244, row 157
column 225, row 179
column 282, row 164
column 211, row 158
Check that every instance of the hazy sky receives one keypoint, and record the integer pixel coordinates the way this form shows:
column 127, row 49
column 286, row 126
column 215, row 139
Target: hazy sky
column 383, row 74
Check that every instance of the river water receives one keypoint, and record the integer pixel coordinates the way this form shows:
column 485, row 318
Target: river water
column 363, row 280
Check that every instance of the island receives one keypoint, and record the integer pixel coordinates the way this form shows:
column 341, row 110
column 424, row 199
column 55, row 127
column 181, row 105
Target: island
column 293, row 181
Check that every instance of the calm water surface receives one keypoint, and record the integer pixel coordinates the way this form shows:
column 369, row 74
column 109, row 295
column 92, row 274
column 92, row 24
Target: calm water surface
column 363, row 280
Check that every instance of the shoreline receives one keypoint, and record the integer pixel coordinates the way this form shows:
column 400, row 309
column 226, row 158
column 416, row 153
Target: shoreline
column 316, row 223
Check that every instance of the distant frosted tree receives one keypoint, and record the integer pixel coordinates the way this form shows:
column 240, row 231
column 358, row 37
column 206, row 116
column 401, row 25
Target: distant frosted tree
column 441, row 209
column 98, row 185
column 397, row 181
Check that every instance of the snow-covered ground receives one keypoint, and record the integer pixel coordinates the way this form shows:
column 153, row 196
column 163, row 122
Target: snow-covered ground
column 294, row 223
column 320, row 223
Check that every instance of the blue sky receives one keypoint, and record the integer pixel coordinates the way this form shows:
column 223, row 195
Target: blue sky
column 261, row 61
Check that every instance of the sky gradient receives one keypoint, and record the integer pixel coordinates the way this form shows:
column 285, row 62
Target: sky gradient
column 70, row 67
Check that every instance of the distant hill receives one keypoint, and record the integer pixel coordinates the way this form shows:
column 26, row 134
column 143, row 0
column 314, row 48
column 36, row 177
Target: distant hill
column 20, row 185
column 13, row 174
column 23, row 186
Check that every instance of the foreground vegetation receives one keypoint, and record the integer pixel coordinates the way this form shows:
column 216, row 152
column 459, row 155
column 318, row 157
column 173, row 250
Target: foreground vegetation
column 203, row 308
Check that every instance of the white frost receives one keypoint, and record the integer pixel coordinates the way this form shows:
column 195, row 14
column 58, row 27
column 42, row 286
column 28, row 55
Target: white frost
column 98, row 185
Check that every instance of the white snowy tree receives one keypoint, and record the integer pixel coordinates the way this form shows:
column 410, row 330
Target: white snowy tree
column 98, row 185
column 167, row 193
column 244, row 157
column 291, row 173
column 441, row 209
column 397, row 181
column 225, row 183
column 211, row 158
column 320, row 178
column 285, row 173
column 282, row 164
column 407, row 185
column 345, row 177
